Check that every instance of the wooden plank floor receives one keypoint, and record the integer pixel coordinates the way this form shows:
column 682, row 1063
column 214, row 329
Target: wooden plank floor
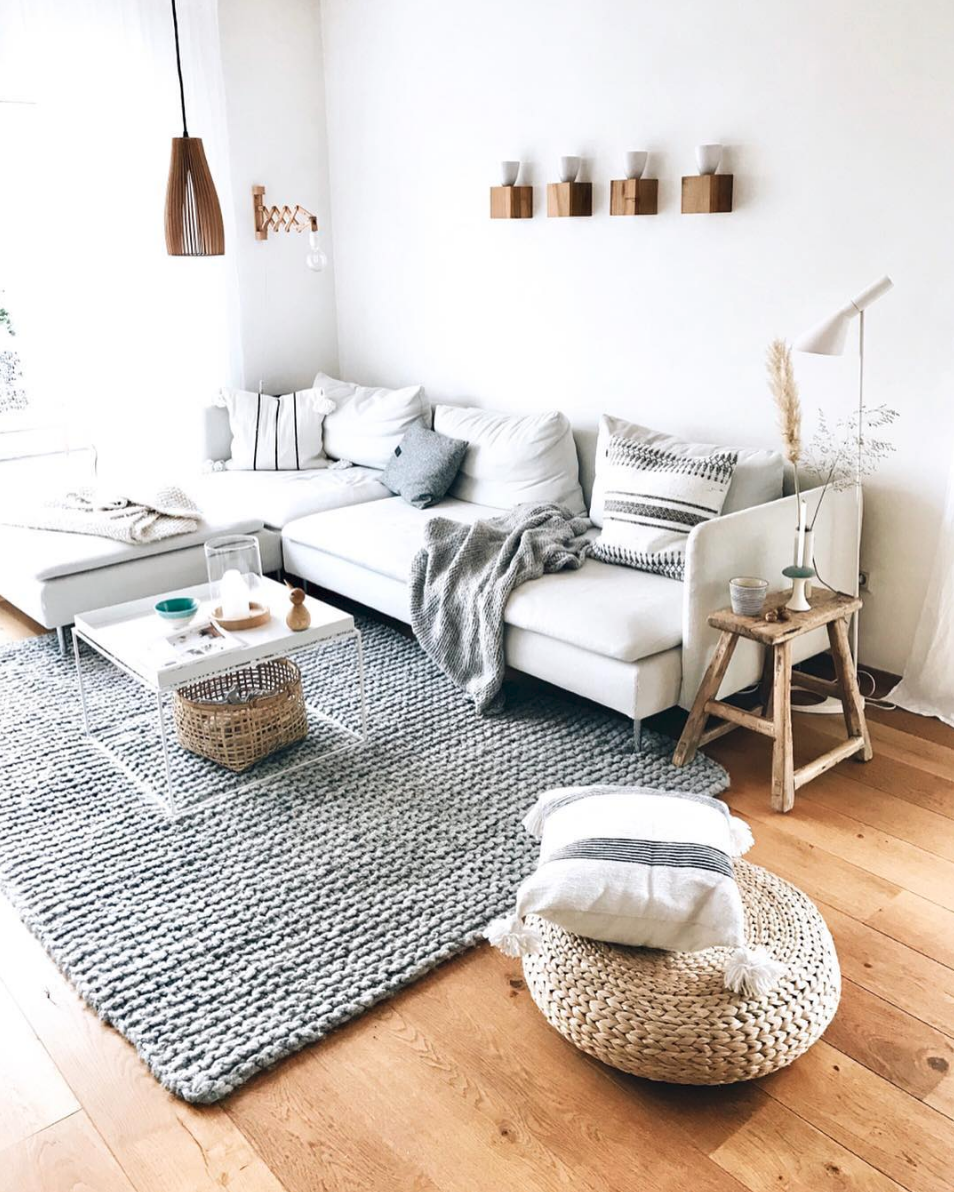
column 458, row 1084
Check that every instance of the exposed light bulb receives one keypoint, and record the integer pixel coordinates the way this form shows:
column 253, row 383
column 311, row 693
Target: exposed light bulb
column 315, row 258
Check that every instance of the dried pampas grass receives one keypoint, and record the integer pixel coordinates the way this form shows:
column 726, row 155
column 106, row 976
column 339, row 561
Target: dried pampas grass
column 785, row 394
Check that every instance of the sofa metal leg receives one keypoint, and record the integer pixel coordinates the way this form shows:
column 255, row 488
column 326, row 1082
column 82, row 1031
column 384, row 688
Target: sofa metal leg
column 637, row 736
column 61, row 639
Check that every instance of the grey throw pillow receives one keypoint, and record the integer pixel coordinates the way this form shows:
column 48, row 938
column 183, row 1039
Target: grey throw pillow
column 423, row 466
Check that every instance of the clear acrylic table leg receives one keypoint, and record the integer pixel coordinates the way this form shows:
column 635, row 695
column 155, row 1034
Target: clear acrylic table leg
column 79, row 679
column 171, row 806
column 361, row 688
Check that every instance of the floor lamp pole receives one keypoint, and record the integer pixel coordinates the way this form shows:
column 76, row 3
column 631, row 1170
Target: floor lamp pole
column 858, row 498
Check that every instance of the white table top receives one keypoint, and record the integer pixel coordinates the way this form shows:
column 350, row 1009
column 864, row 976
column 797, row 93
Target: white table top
column 134, row 636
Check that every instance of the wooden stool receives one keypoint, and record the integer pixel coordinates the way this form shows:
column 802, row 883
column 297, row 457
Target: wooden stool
column 773, row 717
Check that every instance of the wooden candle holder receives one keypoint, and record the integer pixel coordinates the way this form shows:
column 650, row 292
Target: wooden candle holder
column 569, row 198
column 704, row 194
column 634, row 196
column 511, row 202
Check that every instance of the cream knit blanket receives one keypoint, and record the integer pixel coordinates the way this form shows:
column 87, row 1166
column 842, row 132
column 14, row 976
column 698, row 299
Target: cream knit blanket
column 137, row 518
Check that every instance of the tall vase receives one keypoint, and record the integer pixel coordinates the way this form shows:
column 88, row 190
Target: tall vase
column 809, row 559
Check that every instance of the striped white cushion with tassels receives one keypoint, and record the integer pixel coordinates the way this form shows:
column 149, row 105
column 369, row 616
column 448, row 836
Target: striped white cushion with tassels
column 634, row 865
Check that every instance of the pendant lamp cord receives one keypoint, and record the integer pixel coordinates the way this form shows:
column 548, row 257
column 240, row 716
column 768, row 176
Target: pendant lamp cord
column 175, row 26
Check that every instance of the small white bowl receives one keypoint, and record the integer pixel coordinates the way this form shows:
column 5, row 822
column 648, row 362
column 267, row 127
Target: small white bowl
column 747, row 595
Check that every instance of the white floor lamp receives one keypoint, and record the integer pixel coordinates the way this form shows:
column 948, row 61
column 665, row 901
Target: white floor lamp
column 828, row 339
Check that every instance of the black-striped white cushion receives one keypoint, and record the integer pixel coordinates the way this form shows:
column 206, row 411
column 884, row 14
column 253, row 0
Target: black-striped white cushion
column 653, row 498
column 634, row 865
column 276, row 434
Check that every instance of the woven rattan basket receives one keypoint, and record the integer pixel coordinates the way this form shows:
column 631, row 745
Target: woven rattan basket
column 239, row 735
column 668, row 1015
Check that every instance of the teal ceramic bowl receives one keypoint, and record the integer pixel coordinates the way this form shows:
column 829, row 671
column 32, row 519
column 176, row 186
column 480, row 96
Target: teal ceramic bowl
column 179, row 608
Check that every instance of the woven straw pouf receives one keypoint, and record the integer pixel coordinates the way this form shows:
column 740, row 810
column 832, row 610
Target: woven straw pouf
column 668, row 1015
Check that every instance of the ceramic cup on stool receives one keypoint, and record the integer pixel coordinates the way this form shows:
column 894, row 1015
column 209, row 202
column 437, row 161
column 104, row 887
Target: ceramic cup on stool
column 747, row 594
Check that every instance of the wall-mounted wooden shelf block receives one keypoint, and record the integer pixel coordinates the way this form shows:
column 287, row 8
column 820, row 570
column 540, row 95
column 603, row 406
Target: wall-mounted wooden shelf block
column 703, row 194
column 634, row 196
column 511, row 202
column 570, row 198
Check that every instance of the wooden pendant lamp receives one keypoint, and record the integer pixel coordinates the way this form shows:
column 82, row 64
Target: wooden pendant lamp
column 193, row 216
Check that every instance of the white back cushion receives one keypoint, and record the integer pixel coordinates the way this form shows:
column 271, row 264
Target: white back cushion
column 757, row 478
column 513, row 460
column 369, row 421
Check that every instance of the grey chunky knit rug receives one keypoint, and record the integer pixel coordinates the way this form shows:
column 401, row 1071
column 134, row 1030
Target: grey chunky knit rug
column 226, row 940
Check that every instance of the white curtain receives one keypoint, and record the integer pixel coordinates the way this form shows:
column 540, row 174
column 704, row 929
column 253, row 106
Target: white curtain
column 928, row 683
column 121, row 344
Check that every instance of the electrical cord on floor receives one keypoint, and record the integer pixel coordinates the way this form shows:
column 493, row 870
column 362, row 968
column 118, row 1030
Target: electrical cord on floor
column 883, row 704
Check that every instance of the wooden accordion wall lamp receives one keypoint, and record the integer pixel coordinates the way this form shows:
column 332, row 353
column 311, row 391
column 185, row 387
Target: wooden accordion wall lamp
column 288, row 219
column 279, row 219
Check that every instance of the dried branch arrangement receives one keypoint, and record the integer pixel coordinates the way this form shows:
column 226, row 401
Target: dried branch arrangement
column 848, row 451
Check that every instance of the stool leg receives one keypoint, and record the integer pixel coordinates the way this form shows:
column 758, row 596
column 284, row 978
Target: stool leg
column 783, row 763
column 689, row 741
column 767, row 685
column 847, row 676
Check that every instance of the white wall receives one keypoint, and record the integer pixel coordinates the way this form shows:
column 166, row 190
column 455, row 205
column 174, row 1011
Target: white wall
column 837, row 122
column 271, row 60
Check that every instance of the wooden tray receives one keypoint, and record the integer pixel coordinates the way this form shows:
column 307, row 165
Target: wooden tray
column 260, row 614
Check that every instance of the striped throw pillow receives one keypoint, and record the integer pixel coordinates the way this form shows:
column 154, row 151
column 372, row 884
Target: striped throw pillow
column 653, row 499
column 633, row 865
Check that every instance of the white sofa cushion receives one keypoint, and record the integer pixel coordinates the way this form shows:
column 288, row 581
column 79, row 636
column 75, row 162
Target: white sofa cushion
column 280, row 497
column 512, row 460
column 50, row 554
column 368, row 422
column 757, row 478
column 384, row 538
column 271, row 434
column 611, row 611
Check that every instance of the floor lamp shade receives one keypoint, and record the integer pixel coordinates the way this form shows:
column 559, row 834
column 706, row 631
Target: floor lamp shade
column 193, row 215
column 828, row 337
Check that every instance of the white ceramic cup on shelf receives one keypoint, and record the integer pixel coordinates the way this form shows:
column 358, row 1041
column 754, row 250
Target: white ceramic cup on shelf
column 569, row 168
column 747, row 595
column 636, row 163
column 708, row 158
column 509, row 170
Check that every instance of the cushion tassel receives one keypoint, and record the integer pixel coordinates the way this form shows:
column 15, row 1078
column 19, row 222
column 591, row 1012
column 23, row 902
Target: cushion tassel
column 742, row 839
column 321, row 404
column 534, row 819
column 512, row 936
column 752, row 972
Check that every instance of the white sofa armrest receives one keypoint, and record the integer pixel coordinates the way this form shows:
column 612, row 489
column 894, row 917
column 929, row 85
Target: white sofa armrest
column 757, row 541
column 216, row 434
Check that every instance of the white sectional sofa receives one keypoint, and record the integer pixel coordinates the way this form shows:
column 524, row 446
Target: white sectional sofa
column 632, row 641
column 627, row 639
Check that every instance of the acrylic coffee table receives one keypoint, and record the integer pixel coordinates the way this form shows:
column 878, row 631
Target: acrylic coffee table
column 131, row 636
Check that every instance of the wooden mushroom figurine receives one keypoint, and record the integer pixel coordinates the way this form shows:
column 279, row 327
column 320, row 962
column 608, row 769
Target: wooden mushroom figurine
column 298, row 616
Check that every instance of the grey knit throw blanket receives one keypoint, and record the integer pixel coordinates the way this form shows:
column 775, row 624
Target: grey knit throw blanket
column 462, row 577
